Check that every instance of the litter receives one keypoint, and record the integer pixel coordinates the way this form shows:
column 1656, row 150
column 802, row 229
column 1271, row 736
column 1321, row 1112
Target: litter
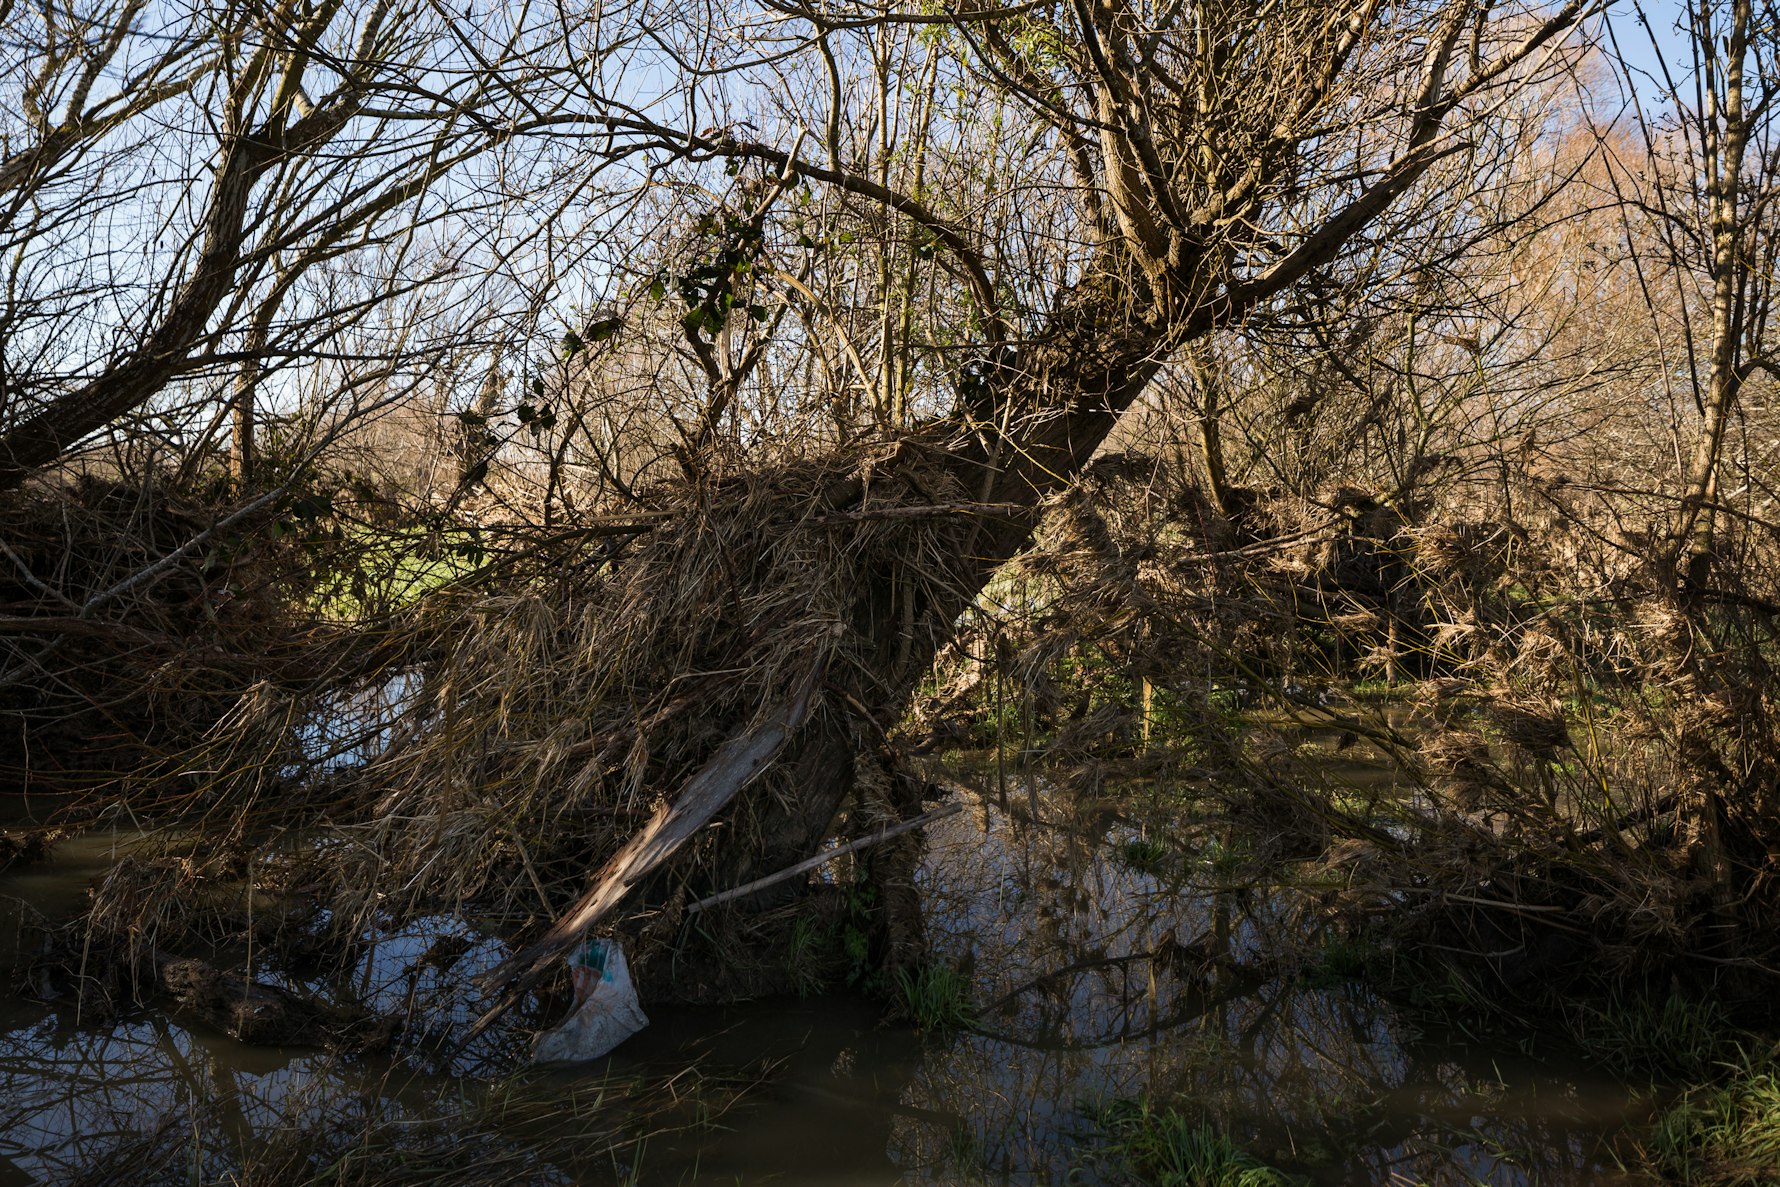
column 606, row 1007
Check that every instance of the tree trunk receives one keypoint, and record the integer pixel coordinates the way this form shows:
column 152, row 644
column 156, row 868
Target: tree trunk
column 1727, row 139
column 1056, row 399
column 244, row 435
column 1211, row 437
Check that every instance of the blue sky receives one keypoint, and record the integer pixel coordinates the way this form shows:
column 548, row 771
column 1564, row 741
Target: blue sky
column 1645, row 29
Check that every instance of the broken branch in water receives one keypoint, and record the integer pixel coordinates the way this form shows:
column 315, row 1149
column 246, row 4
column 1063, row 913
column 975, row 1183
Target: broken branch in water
column 737, row 763
column 883, row 834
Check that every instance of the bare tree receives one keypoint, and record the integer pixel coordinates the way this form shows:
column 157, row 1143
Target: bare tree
column 1181, row 166
column 980, row 232
column 1705, row 179
column 197, row 193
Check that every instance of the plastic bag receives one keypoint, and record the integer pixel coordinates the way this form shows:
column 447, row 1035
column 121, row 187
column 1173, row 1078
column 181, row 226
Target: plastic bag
column 606, row 1008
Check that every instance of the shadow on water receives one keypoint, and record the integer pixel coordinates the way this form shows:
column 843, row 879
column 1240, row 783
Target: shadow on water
column 1094, row 980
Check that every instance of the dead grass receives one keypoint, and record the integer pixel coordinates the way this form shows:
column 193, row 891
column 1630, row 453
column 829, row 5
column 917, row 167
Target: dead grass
column 559, row 696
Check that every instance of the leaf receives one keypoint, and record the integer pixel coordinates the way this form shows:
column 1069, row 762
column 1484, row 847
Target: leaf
column 601, row 330
column 474, row 420
column 704, row 318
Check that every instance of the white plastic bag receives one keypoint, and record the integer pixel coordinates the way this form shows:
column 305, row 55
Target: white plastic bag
column 606, row 1008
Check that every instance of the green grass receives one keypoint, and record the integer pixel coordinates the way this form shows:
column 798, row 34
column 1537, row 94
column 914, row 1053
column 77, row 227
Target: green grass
column 377, row 569
column 1146, row 855
column 1377, row 688
column 965, row 1157
column 1227, row 701
column 1726, row 1135
column 1224, row 856
column 1671, row 1037
column 1163, row 1148
column 936, row 997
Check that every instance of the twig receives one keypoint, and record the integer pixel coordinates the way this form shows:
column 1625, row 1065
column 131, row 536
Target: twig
column 929, row 511
column 883, row 834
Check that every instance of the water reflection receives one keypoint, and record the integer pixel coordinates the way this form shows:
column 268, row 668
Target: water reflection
column 1097, row 981
column 1152, row 1000
column 74, row 1091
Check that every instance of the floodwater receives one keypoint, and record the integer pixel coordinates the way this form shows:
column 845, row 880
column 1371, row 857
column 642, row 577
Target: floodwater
column 1095, row 982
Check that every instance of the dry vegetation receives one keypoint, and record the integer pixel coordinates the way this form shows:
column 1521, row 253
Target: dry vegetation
column 598, row 497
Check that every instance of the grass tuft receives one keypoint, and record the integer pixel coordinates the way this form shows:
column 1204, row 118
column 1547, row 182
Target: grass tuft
column 1727, row 1135
column 1674, row 1037
column 1162, row 1148
column 1145, row 855
column 936, row 997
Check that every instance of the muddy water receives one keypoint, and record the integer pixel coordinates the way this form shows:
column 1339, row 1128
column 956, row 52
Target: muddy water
column 1095, row 981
